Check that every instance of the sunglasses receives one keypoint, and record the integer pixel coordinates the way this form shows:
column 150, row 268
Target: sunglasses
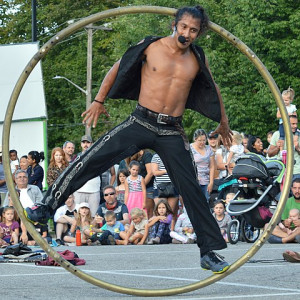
column 109, row 194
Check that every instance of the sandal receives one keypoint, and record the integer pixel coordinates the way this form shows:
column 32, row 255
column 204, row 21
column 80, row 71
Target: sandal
column 291, row 256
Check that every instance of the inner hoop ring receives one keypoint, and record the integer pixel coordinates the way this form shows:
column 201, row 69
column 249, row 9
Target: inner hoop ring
column 69, row 267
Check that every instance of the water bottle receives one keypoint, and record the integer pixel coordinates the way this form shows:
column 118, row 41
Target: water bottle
column 78, row 237
column 283, row 154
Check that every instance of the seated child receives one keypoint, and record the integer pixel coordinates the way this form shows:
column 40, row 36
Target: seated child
column 294, row 214
column 184, row 232
column 136, row 231
column 111, row 231
column 222, row 218
column 229, row 197
column 82, row 221
column 43, row 231
column 159, row 225
column 9, row 227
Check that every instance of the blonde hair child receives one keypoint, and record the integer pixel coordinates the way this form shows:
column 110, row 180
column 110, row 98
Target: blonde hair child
column 237, row 149
column 136, row 232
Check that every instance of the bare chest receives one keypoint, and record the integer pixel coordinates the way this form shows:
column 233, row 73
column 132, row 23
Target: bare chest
column 161, row 63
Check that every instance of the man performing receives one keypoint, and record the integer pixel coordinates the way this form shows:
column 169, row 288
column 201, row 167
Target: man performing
column 166, row 75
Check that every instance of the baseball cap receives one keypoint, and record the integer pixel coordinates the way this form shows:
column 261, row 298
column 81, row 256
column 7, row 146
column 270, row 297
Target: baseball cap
column 84, row 204
column 86, row 138
column 212, row 136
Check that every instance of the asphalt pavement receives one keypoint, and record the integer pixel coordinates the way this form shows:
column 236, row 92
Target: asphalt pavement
column 266, row 276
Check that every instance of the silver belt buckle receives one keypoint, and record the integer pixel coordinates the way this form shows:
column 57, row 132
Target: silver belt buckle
column 159, row 118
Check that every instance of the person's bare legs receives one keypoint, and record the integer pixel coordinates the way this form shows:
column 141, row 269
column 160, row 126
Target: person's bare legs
column 286, row 238
column 14, row 238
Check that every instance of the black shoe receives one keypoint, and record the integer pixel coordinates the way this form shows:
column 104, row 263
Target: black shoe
column 59, row 242
column 214, row 262
column 38, row 214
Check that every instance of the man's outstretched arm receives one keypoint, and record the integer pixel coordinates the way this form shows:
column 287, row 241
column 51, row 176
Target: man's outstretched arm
column 91, row 115
column 223, row 128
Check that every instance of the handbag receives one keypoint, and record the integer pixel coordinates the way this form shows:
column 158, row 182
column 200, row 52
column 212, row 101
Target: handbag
column 166, row 190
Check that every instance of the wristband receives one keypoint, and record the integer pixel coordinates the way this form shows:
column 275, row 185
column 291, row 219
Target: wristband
column 98, row 102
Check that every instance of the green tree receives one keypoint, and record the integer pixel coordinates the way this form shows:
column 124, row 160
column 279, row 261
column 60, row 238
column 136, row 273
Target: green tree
column 269, row 28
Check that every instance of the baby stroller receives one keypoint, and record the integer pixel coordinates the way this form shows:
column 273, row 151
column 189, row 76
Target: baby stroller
column 258, row 184
column 238, row 228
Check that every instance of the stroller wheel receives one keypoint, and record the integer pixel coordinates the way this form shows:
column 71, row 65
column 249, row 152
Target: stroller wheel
column 249, row 232
column 233, row 231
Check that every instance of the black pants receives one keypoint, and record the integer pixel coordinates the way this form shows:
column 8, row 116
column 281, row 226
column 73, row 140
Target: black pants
column 136, row 133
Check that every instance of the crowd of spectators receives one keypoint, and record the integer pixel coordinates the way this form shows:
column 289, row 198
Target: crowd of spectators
column 141, row 205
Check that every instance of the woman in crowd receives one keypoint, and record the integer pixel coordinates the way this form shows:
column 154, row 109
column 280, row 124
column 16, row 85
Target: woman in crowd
column 57, row 164
column 255, row 145
column 35, row 171
column 204, row 160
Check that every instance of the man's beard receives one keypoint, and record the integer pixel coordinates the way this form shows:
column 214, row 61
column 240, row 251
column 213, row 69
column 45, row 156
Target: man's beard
column 297, row 198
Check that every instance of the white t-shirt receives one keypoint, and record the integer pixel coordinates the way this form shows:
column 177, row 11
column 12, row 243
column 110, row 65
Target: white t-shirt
column 25, row 199
column 92, row 186
column 290, row 109
column 62, row 211
column 237, row 150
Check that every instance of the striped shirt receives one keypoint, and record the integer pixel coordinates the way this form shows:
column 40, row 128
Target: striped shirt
column 162, row 178
column 134, row 185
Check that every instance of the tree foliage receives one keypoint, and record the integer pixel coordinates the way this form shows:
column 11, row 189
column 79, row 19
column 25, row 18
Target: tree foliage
column 269, row 28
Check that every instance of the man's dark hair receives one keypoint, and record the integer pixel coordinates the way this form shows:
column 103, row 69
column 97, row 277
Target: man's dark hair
column 108, row 187
column 197, row 12
column 296, row 180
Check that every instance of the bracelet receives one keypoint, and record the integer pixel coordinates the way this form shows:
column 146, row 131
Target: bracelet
column 98, row 102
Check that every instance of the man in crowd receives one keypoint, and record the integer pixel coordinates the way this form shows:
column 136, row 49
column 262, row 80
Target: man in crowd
column 280, row 236
column 112, row 204
column 90, row 192
column 69, row 148
column 276, row 147
column 64, row 217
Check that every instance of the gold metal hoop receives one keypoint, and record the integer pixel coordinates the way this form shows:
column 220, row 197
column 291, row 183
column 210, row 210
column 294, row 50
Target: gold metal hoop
column 69, row 267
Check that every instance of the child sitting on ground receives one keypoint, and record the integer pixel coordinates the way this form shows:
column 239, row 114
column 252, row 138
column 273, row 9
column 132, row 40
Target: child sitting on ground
column 112, row 231
column 10, row 228
column 222, row 218
column 43, row 231
column 184, row 232
column 159, row 225
column 136, row 230
column 294, row 214
column 82, row 221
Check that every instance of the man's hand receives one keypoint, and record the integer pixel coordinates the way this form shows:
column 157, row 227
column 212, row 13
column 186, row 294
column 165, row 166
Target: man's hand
column 225, row 132
column 91, row 115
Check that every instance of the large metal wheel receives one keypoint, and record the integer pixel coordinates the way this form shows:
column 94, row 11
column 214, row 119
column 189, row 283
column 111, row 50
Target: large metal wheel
column 69, row 267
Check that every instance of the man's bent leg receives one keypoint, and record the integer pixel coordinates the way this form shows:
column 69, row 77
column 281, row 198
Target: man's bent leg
column 121, row 142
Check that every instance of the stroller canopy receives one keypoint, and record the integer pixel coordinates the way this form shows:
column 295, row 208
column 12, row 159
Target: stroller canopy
column 251, row 166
